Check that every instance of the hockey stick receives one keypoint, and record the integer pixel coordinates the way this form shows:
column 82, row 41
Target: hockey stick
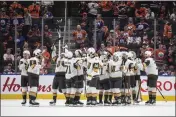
column 139, row 91
column 161, row 94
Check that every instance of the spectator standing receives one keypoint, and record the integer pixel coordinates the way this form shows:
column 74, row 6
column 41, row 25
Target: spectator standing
column 79, row 35
column 34, row 37
column 163, row 13
column 46, row 62
column 167, row 33
column 27, row 22
column 47, row 38
column 47, row 14
column 142, row 26
column 93, row 9
column 106, row 8
column 34, row 10
column 173, row 15
column 140, row 12
column 131, row 27
column 83, row 6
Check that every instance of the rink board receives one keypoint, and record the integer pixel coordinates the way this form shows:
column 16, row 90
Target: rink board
column 10, row 87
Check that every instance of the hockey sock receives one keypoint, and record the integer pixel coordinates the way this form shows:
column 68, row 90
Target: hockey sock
column 134, row 95
column 24, row 95
column 110, row 96
column 88, row 95
column 100, row 96
column 77, row 97
column 94, row 96
column 153, row 96
column 72, row 96
column 54, row 96
column 32, row 95
column 106, row 97
column 150, row 95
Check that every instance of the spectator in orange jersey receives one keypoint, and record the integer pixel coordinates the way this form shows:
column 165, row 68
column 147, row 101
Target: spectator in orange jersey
column 79, row 36
column 168, row 30
column 111, row 49
column 16, row 6
column 120, row 48
column 106, row 7
column 140, row 12
column 46, row 63
column 167, row 33
column 131, row 27
column 34, row 10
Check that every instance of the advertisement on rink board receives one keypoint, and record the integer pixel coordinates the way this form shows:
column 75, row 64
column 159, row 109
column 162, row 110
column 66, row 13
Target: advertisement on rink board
column 10, row 85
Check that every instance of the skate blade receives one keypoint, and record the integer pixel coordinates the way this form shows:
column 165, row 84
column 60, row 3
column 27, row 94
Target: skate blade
column 107, row 105
column 80, row 105
column 33, row 105
column 52, row 104
column 89, row 105
column 23, row 104
column 100, row 104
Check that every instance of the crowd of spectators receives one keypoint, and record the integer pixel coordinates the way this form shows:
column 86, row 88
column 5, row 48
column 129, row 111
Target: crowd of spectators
column 27, row 19
column 111, row 25
column 133, row 29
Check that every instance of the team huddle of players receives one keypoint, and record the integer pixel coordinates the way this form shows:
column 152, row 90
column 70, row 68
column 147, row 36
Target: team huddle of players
column 115, row 77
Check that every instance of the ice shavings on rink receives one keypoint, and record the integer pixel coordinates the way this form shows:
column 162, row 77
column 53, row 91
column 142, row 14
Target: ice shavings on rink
column 14, row 108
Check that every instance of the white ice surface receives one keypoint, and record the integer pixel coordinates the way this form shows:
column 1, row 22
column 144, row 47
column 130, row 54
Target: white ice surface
column 14, row 108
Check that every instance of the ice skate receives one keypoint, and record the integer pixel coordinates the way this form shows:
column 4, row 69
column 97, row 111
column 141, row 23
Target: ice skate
column 52, row 103
column 32, row 103
column 23, row 103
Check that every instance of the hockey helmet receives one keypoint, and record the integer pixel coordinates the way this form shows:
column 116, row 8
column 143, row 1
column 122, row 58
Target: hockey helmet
column 37, row 52
column 69, row 55
column 26, row 54
column 148, row 53
column 78, row 53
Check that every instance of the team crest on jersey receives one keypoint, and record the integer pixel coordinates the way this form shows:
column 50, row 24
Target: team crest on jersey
column 95, row 67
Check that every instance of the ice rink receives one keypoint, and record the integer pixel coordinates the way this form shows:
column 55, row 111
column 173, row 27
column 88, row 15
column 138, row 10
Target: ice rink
column 14, row 108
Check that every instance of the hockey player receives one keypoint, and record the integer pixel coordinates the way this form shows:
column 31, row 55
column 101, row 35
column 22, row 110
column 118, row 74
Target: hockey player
column 138, row 68
column 93, row 71
column 152, row 77
column 131, row 56
column 59, row 79
column 70, row 75
column 80, row 61
column 33, row 73
column 128, row 66
column 115, row 73
column 104, row 84
column 23, row 66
